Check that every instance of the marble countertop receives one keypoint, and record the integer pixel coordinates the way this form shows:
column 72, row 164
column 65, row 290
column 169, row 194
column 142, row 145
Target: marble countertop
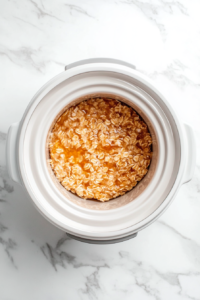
column 38, row 38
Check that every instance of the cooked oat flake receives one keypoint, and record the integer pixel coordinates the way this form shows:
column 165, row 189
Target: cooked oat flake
column 100, row 149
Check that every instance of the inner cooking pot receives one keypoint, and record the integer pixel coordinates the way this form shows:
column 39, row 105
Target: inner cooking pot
column 128, row 196
column 91, row 217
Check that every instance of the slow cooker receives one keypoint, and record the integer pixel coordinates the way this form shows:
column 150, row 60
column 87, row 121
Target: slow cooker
column 122, row 218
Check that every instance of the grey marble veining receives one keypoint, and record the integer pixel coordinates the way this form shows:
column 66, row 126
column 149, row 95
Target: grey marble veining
column 38, row 38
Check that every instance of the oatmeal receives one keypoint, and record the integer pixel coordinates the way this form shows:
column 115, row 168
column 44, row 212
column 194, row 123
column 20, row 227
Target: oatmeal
column 100, row 149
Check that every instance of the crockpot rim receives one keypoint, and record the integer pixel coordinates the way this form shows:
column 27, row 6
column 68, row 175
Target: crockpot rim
column 126, row 72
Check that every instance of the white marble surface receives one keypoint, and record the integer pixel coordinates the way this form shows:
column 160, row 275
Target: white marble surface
column 38, row 37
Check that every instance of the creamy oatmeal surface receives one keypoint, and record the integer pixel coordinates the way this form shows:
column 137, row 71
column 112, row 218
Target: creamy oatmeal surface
column 99, row 149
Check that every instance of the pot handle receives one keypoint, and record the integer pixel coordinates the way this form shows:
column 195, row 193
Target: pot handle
column 11, row 151
column 99, row 60
column 190, row 154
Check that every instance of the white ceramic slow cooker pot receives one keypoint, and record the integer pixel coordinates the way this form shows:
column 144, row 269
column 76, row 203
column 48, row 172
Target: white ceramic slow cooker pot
column 119, row 219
